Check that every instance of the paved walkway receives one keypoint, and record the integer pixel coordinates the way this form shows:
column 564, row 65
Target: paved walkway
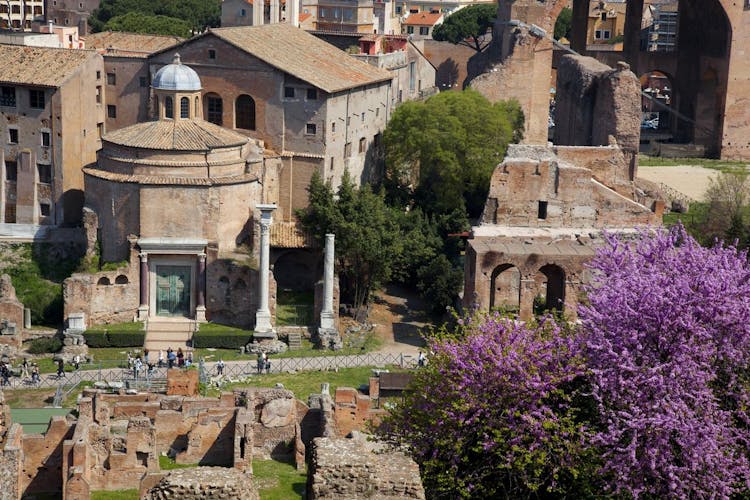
column 234, row 370
column 692, row 180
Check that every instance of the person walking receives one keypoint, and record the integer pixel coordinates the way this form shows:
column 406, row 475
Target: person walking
column 77, row 361
column 25, row 368
column 161, row 358
column 5, row 373
column 268, row 363
column 171, row 357
column 60, row 368
column 145, row 357
column 137, row 367
column 220, row 367
column 421, row 359
column 180, row 357
column 35, row 377
column 261, row 362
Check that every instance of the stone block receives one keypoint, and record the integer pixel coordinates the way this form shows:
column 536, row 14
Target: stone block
column 182, row 382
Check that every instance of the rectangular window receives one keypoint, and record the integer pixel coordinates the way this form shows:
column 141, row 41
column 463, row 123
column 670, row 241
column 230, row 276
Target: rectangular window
column 362, row 145
column 211, row 54
column 10, row 213
column 100, row 130
column 321, row 12
column 542, row 213
column 424, row 30
column 377, row 111
column 45, row 172
column 12, row 136
column 98, row 75
column 598, row 34
column 143, row 81
column 376, row 140
column 347, row 150
column 45, row 139
column 398, row 9
column 606, row 34
column 111, row 79
column 310, row 129
column 111, row 111
column 332, row 164
column 410, row 30
column 36, row 99
column 312, row 94
column 44, row 209
column 11, row 170
column 363, row 116
column 215, row 110
column 289, row 92
column 604, row 16
column 333, row 126
column 98, row 94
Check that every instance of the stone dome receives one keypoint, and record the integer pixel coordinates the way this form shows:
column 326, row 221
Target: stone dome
column 176, row 76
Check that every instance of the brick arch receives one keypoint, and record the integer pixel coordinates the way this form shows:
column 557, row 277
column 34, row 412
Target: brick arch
column 505, row 287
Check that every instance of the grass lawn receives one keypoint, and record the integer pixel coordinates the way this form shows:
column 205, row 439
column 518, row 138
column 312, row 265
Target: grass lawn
column 278, row 480
column 302, row 384
column 130, row 326
column 657, row 161
column 29, row 398
column 166, row 463
column 115, row 495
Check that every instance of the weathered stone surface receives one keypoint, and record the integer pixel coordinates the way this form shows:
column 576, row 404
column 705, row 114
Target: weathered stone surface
column 347, row 468
column 267, row 346
column 182, row 382
column 204, row 483
column 277, row 413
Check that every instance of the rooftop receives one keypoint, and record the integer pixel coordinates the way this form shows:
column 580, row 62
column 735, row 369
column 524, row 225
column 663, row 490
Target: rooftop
column 423, row 19
column 40, row 66
column 115, row 43
column 176, row 135
column 303, row 56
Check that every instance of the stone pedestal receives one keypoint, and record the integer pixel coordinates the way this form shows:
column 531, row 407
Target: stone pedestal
column 263, row 325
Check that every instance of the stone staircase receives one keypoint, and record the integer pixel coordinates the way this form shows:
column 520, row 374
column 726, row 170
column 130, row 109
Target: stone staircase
column 295, row 341
column 162, row 333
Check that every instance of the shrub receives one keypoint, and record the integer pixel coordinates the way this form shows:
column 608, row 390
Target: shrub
column 221, row 340
column 96, row 339
column 126, row 339
column 45, row 345
column 119, row 335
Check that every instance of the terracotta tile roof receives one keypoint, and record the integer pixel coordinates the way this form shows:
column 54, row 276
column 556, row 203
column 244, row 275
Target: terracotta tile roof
column 423, row 19
column 288, row 235
column 179, row 135
column 42, row 66
column 118, row 43
column 169, row 180
column 303, row 56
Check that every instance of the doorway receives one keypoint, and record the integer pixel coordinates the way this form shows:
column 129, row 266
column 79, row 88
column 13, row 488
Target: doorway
column 173, row 291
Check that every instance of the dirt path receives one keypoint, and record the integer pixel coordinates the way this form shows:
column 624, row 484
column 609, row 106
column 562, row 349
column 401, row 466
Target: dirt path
column 691, row 180
column 398, row 314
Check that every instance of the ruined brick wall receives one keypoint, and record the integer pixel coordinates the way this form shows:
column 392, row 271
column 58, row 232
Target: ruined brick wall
column 354, row 411
column 106, row 297
column 210, row 440
column 42, row 458
column 347, row 468
column 232, row 291
column 204, row 483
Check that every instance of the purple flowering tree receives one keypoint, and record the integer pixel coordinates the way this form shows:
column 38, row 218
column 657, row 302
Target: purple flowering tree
column 491, row 415
column 666, row 334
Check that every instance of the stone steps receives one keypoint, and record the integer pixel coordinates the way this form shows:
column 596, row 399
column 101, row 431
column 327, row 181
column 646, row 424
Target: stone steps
column 162, row 334
column 295, row 341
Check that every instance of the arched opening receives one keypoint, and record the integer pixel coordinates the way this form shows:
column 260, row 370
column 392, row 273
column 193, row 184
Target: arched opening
column 197, row 109
column 240, row 284
column 224, row 291
column 168, row 107
column 104, row 281
column 213, row 108
column 656, row 106
column 244, row 112
column 122, row 280
column 505, row 288
column 550, row 282
column 184, row 107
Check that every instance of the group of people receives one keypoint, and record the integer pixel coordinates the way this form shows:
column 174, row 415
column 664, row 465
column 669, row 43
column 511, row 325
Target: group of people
column 263, row 363
column 29, row 372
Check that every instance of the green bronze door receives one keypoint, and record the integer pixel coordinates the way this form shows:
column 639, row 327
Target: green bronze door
column 173, row 290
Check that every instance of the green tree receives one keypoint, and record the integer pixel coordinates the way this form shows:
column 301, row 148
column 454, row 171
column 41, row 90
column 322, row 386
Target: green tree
column 564, row 23
column 468, row 26
column 440, row 153
column 368, row 238
column 197, row 14
column 726, row 199
column 134, row 22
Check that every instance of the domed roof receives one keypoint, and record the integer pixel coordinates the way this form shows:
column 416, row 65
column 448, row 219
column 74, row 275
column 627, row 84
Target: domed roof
column 176, row 76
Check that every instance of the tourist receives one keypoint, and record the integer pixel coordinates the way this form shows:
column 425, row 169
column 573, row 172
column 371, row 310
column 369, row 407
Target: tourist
column 261, row 362
column 145, row 357
column 190, row 357
column 25, row 368
column 220, row 367
column 60, row 368
column 420, row 359
column 171, row 357
column 35, row 378
column 137, row 367
column 188, row 362
column 77, row 361
column 130, row 361
column 161, row 358
column 5, row 373
column 180, row 357
column 268, row 363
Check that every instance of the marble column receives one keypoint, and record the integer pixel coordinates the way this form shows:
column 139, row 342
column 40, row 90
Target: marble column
column 200, row 308
column 263, row 327
column 143, row 306
column 326, row 315
column 275, row 15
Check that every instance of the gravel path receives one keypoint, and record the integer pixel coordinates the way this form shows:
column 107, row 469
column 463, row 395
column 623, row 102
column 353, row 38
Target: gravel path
column 691, row 180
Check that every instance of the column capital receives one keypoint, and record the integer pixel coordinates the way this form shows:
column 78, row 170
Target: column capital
column 143, row 256
column 202, row 257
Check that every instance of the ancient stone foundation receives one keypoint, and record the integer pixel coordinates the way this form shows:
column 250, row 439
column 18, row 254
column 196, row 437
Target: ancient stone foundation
column 204, row 483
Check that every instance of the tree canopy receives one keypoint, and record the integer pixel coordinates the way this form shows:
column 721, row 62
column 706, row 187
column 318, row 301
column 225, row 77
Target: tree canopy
column 468, row 26
column 198, row 15
column 135, row 22
column 440, row 153
column 564, row 24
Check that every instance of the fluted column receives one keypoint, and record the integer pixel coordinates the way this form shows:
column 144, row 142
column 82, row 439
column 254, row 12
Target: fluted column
column 326, row 315
column 143, row 307
column 200, row 308
column 263, row 326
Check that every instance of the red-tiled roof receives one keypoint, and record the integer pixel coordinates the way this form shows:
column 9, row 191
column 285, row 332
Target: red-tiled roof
column 40, row 65
column 423, row 19
column 119, row 43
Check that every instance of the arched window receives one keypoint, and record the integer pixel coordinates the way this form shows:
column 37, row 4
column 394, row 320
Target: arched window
column 168, row 107
column 184, row 107
column 244, row 112
column 104, row 281
column 214, row 108
column 197, row 112
column 121, row 280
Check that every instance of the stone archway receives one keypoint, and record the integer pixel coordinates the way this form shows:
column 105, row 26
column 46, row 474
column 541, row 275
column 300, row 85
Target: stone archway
column 550, row 281
column 505, row 288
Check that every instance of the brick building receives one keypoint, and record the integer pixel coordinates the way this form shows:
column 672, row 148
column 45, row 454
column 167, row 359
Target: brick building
column 18, row 14
column 51, row 121
column 70, row 12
